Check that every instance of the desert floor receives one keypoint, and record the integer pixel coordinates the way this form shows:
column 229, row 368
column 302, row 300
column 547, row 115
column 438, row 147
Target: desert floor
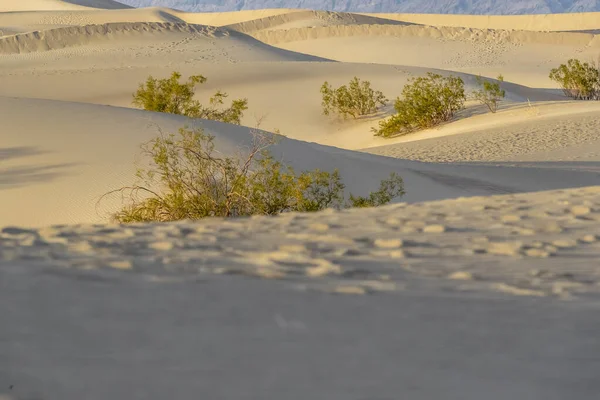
column 496, row 242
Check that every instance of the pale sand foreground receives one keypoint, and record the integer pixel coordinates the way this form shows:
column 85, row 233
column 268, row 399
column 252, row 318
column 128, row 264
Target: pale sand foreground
column 259, row 307
column 514, row 244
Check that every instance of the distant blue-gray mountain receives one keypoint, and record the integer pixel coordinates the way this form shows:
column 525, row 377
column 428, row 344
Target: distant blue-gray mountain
column 505, row 7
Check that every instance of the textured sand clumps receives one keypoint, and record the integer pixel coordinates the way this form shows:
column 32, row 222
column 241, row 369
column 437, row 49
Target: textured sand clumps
column 541, row 244
column 72, row 36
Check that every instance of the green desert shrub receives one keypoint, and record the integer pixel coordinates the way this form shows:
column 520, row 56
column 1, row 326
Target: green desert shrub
column 489, row 93
column 188, row 179
column 426, row 102
column 355, row 100
column 169, row 95
column 578, row 80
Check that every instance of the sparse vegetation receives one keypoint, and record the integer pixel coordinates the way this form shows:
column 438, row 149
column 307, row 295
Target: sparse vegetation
column 169, row 95
column 355, row 100
column 188, row 179
column 426, row 102
column 490, row 93
column 578, row 80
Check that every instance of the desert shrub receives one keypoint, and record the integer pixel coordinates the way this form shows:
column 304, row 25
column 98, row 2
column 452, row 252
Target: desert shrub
column 188, row 179
column 169, row 95
column 426, row 102
column 389, row 189
column 355, row 100
column 578, row 80
column 489, row 93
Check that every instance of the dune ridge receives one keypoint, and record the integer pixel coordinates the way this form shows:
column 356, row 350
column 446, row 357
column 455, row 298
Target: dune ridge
column 310, row 19
column 60, row 38
column 531, row 22
column 448, row 33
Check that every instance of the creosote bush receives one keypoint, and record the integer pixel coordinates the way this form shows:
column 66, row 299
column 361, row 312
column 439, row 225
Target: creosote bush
column 169, row 95
column 189, row 179
column 355, row 100
column 490, row 93
column 578, row 80
column 426, row 102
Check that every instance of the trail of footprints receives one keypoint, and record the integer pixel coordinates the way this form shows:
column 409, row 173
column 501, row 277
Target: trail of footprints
column 544, row 244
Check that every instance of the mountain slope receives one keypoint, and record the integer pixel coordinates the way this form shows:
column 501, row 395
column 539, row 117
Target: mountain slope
column 406, row 6
column 58, row 5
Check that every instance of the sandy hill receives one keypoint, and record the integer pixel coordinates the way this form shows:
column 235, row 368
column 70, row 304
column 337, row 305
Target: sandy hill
column 532, row 22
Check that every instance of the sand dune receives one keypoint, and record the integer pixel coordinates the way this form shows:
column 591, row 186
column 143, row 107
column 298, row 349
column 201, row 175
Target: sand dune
column 61, row 38
column 86, row 150
column 485, row 52
column 113, row 36
column 535, row 22
column 23, row 22
column 266, row 78
column 233, row 17
column 309, row 19
column 443, row 33
column 82, row 60
column 445, row 278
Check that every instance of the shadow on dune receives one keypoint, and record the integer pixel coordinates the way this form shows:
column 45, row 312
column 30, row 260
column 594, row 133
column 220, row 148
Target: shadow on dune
column 13, row 177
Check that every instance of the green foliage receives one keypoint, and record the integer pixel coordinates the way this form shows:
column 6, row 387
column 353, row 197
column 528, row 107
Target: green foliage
column 169, row 95
column 357, row 99
column 490, row 93
column 578, row 80
column 389, row 189
column 188, row 180
column 426, row 102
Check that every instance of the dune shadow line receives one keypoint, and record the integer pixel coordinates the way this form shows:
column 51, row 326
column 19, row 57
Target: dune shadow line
column 13, row 177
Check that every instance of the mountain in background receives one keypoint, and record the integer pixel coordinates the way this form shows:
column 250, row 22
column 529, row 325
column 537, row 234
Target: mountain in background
column 503, row 7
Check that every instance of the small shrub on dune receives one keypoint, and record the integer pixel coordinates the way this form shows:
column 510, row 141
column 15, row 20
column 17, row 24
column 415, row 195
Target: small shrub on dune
column 355, row 100
column 426, row 102
column 169, row 95
column 189, row 179
column 389, row 189
column 490, row 93
column 580, row 81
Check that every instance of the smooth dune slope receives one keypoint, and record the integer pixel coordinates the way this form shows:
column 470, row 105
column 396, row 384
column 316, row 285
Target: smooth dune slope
column 267, row 78
column 59, row 164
